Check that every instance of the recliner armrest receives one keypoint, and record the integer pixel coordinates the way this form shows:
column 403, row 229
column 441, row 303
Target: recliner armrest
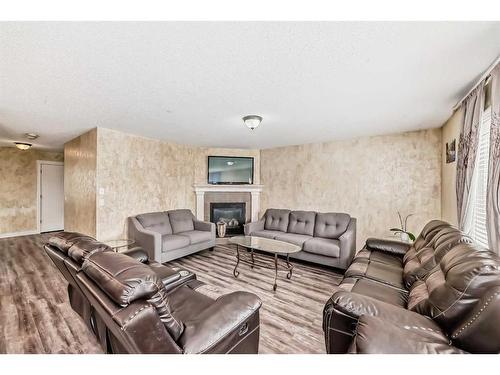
column 226, row 315
column 388, row 246
column 137, row 253
column 253, row 227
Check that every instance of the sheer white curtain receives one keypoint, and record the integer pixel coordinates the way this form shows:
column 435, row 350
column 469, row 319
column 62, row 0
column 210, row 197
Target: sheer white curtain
column 466, row 157
column 493, row 188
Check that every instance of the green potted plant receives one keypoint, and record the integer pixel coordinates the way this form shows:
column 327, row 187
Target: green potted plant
column 403, row 233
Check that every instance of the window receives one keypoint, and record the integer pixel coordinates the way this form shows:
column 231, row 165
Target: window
column 478, row 230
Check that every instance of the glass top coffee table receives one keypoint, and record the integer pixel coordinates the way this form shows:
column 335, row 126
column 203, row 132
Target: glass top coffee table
column 265, row 245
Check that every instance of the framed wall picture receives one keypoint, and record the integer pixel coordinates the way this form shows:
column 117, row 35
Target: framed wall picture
column 451, row 151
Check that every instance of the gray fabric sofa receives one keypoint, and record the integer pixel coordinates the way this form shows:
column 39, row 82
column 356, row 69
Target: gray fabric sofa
column 168, row 235
column 325, row 238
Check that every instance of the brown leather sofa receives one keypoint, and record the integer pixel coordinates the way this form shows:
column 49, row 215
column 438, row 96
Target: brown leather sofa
column 134, row 305
column 439, row 295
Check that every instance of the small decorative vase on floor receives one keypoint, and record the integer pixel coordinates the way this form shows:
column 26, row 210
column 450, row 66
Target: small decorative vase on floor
column 221, row 229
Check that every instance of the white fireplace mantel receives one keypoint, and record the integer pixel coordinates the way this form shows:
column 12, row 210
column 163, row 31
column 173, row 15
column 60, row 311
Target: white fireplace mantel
column 201, row 189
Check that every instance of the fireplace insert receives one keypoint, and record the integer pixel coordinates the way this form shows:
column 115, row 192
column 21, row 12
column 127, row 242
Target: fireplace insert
column 233, row 214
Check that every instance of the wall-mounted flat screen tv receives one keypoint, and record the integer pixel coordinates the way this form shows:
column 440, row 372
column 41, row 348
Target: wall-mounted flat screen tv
column 230, row 170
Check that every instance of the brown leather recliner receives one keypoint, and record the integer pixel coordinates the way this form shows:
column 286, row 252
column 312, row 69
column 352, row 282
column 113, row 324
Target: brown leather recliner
column 68, row 250
column 439, row 295
column 69, row 264
column 229, row 324
column 142, row 317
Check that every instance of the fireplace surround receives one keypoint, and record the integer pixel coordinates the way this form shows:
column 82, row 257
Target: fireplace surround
column 248, row 194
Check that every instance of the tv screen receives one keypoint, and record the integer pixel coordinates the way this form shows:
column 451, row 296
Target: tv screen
column 230, row 170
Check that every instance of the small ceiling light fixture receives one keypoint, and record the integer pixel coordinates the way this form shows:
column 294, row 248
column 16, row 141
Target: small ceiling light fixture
column 22, row 145
column 252, row 121
column 31, row 136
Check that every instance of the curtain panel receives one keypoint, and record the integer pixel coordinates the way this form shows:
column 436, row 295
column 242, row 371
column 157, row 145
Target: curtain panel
column 467, row 149
column 493, row 189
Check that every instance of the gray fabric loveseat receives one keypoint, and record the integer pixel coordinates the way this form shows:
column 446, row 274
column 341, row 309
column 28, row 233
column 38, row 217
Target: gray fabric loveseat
column 325, row 238
column 168, row 235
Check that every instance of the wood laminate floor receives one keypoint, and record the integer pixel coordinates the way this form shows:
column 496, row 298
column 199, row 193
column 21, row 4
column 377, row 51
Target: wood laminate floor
column 35, row 315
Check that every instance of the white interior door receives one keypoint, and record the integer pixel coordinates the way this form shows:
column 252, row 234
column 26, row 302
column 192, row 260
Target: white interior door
column 51, row 197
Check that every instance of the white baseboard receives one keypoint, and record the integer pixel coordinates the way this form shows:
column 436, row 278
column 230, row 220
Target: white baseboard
column 18, row 234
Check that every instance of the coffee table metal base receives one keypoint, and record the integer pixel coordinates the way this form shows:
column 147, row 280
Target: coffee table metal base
column 248, row 257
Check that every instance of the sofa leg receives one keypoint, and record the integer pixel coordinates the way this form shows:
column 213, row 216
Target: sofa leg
column 211, row 248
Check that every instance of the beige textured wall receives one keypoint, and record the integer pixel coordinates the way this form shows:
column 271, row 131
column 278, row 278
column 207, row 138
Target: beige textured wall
column 370, row 178
column 138, row 174
column 18, row 187
column 451, row 130
column 79, row 184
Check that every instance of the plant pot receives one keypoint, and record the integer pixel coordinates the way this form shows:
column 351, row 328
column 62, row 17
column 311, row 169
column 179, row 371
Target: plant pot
column 404, row 237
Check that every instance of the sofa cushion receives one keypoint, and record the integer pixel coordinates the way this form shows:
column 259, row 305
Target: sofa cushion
column 331, row 225
column 378, row 336
column 181, row 220
column 197, row 236
column 296, row 239
column 301, row 222
column 323, row 246
column 376, row 271
column 276, row 219
column 380, row 257
column 173, row 242
column 186, row 303
column 266, row 233
column 156, row 222
column 375, row 290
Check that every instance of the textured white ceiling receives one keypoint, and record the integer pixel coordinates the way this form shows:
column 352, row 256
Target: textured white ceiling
column 192, row 82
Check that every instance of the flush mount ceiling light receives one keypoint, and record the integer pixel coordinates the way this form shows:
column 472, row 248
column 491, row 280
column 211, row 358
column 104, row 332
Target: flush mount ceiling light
column 22, row 145
column 31, row 136
column 252, row 121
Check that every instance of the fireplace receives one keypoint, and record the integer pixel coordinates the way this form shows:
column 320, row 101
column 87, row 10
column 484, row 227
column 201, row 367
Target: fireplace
column 233, row 214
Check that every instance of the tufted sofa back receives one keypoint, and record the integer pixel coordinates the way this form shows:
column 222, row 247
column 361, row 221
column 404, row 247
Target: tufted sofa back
column 418, row 263
column 156, row 222
column 455, row 286
column 181, row 220
column 331, row 225
column 276, row 219
column 427, row 235
column 302, row 222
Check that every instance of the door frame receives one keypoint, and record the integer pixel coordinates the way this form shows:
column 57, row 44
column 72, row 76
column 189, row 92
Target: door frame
column 39, row 164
